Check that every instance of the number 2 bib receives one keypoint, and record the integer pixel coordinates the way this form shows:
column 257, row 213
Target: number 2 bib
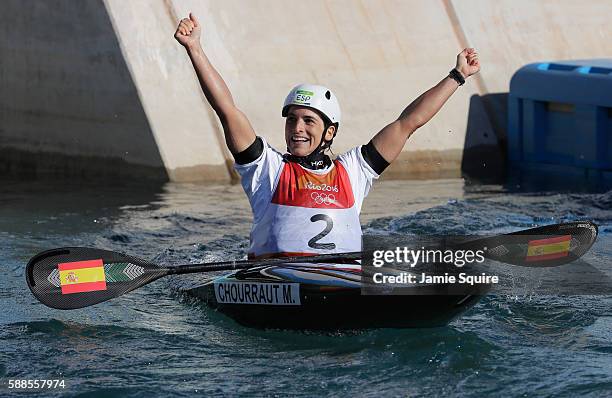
column 310, row 213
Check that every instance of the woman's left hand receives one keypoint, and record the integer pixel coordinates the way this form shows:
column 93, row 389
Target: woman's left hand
column 467, row 62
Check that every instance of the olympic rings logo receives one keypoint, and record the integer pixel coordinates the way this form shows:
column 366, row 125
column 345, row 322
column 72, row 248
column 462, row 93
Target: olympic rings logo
column 323, row 198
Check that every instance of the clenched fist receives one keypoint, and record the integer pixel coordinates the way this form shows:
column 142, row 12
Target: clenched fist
column 188, row 31
column 467, row 62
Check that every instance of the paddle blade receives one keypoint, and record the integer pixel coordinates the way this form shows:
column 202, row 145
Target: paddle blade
column 77, row 277
column 547, row 246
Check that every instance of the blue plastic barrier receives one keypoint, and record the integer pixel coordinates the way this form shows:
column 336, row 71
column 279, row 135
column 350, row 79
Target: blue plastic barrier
column 560, row 119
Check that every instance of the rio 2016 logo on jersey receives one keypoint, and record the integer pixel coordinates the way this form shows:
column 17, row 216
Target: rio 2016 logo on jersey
column 322, row 187
column 302, row 188
column 303, row 96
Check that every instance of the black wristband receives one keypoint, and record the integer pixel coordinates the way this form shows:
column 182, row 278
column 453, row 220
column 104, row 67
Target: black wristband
column 456, row 76
column 250, row 154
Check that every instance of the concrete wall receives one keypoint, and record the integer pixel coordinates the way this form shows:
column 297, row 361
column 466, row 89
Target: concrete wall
column 68, row 102
column 184, row 126
column 102, row 86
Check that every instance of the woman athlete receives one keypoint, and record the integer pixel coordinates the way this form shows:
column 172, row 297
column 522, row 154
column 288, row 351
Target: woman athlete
column 303, row 202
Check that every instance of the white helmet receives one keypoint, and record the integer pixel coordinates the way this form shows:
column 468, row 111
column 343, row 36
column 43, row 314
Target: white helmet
column 315, row 97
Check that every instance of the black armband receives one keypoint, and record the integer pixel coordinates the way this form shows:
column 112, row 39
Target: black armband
column 251, row 153
column 373, row 158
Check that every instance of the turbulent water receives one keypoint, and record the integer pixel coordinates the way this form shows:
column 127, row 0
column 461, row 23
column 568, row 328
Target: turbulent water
column 157, row 341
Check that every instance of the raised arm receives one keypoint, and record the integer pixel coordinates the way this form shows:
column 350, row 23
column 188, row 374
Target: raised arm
column 239, row 134
column 390, row 141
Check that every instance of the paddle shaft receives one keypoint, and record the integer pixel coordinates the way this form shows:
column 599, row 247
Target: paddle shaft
column 339, row 257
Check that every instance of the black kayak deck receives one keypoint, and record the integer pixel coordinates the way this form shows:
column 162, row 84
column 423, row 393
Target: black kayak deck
column 327, row 299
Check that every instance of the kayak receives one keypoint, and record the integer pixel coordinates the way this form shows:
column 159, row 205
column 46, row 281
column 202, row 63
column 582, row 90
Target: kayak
column 328, row 298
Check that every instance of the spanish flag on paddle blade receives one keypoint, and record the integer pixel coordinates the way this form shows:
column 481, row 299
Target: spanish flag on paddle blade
column 82, row 276
column 548, row 249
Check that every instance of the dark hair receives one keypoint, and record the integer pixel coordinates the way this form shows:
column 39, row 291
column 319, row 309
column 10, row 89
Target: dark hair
column 326, row 124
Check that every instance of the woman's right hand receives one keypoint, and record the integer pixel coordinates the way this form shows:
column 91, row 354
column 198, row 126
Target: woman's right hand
column 188, row 31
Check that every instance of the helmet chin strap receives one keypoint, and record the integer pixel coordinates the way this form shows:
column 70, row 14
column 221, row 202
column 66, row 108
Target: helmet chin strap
column 316, row 160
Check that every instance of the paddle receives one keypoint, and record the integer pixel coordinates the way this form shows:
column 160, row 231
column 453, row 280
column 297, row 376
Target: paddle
column 547, row 246
column 77, row 277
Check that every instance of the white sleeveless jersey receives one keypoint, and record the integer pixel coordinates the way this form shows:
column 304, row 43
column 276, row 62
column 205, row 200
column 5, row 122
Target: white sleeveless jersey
column 298, row 211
